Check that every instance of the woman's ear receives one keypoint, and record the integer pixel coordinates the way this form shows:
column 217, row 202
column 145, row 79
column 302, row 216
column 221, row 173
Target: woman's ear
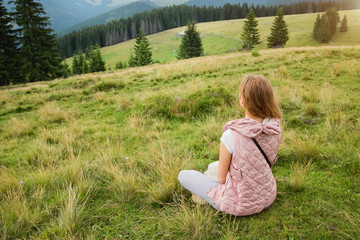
column 241, row 100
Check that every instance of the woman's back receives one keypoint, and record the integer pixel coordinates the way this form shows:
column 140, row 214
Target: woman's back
column 250, row 186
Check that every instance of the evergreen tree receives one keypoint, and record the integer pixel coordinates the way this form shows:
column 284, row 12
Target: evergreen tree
column 316, row 27
column 279, row 33
column 85, row 67
column 142, row 50
column 191, row 44
column 324, row 32
column 131, row 61
column 333, row 17
column 250, row 34
column 82, row 64
column 97, row 64
column 38, row 46
column 344, row 27
column 64, row 70
column 325, row 26
column 76, row 65
column 8, row 49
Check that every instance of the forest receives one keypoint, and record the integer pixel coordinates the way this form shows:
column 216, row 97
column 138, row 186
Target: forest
column 165, row 18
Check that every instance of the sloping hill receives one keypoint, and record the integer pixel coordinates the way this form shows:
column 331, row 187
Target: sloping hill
column 224, row 36
column 97, row 156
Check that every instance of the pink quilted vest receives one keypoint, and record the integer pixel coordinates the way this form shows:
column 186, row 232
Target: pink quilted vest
column 250, row 186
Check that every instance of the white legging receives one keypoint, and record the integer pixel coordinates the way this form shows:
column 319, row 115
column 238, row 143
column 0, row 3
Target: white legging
column 198, row 183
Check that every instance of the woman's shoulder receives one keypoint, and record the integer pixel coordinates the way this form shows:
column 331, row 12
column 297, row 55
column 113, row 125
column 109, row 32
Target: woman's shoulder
column 252, row 128
column 249, row 121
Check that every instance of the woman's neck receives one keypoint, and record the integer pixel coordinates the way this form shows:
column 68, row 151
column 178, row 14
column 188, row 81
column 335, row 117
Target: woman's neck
column 259, row 119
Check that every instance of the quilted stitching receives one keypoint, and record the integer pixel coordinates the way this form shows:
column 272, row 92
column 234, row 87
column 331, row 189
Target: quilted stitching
column 250, row 186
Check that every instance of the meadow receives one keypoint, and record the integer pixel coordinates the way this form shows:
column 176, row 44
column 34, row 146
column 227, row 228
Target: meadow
column 224, row 36
column 96, row 156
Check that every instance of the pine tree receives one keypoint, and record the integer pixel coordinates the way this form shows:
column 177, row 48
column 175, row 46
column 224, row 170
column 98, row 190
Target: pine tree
column 84, row 67
column 279, row 33
column 143, row 55
column 324, row 32
column 38, row 46
column 64, row 70
column 316, row 27
column 8, row 50
column 333, row 17
column 76, row 64
column 250, row 34
column 191, row 44
column 131, row 60
column 344, row 26
column 325, row 27
column 97, row 64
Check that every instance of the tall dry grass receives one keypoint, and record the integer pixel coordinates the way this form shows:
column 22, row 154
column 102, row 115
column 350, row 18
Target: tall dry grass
column 18, row 215
column 302, row 148
column 52, row 113
column 123, row 102
column 40, row 153
column 164, row 160
column 124, row 182
column 5, row 99
column 72, row 215
column 121, row 175
column 297, row 177
column 8, row 180
column 19, row 127
column 190, row 222
column 56, row 145
column 211, row 129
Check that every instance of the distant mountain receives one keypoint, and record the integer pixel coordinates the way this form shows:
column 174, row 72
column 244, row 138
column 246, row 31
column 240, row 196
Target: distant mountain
column 216, row 3
column 66, row 13
column 115, row 14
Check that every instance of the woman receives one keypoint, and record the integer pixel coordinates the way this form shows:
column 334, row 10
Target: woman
column 245, row 184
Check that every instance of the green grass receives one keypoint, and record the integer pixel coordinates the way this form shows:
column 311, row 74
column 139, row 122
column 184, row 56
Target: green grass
column 99, row 154
column 224, row 36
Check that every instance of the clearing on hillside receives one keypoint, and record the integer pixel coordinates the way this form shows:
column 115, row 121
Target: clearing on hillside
column 224, row 36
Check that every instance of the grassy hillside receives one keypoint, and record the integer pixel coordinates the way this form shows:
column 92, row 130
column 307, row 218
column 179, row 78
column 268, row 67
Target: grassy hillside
column 224, row 36
column 97, row 156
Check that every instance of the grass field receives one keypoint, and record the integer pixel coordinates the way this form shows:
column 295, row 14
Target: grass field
column 217, row 37
column 97, row 156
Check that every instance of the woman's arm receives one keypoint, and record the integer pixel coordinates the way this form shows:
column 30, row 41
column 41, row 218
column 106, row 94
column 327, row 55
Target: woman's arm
column 224, row 163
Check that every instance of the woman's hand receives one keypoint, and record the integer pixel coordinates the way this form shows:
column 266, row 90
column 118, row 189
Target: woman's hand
column 224, row 163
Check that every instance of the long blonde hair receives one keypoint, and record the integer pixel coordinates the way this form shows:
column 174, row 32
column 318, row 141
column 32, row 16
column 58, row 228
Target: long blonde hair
column 259, row 98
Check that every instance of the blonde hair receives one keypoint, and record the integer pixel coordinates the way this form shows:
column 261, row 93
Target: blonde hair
column 259, row 98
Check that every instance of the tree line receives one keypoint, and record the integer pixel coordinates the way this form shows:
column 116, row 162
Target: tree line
column 158, row 20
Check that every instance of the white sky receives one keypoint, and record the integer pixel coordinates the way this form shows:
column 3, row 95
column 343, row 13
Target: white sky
column 94, row 2
column 118, row 2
